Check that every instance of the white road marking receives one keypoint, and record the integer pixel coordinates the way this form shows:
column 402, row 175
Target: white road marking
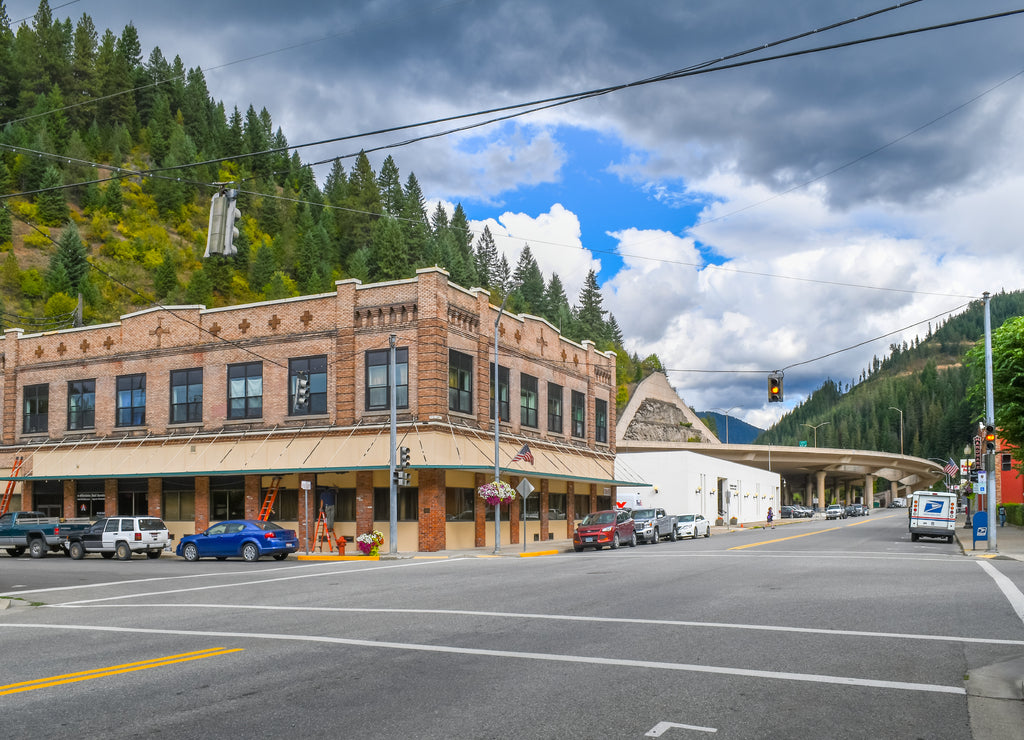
column 547, row 657
column 659, row 729
column 554, row 617
column 1010, row 591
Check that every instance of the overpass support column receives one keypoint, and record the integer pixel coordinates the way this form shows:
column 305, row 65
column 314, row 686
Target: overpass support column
column 819, row 487
column 893, row 491
column 869, row 491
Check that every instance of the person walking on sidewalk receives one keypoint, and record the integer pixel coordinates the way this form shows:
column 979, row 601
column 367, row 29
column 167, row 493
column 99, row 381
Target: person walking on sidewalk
column 771, row 515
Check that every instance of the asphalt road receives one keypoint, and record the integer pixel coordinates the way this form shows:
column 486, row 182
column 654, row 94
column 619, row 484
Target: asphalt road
column 814, row 630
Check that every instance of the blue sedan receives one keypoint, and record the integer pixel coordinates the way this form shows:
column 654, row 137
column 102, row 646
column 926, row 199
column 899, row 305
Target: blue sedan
column 243, row 538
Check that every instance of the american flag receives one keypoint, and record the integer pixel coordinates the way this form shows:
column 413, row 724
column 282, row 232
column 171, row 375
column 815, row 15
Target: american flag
column 951, row 468
column 524, row 454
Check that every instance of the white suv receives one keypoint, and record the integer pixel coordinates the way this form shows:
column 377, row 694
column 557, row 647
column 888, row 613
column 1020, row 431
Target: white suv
column 835, row 512
column 122, row 536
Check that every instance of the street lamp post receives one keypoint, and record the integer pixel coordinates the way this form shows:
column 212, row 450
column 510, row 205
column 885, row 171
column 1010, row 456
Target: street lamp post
column 815, row 428
column 901, row 426
column 726, row 414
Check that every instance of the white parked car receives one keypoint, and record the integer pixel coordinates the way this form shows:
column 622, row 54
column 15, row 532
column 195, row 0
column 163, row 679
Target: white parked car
column 692, row 525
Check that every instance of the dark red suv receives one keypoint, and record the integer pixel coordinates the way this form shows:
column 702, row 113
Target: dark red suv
column 610, row 527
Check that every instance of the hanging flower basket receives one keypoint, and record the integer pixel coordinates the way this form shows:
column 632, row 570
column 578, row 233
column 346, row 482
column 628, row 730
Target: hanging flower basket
column 497, row 493
column 369, row 543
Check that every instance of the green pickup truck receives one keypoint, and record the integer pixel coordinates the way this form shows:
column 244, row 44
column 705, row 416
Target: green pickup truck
column 39, row 534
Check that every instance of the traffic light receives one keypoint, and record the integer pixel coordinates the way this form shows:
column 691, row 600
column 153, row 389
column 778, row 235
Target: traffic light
column 301, row 391
column 401, row 477
column 775, row 388
column 403, row 458
column 220, row 237
column 990, row 438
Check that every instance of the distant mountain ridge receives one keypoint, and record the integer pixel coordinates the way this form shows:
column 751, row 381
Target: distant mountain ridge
column 740, row 432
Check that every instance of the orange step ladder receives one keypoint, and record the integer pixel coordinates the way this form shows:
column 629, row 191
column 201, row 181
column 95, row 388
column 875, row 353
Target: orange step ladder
column 5, row 502
column 268, row 502
column 321, row 532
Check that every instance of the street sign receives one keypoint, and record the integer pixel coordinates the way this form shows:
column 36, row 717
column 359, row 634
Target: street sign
column 803, row 442
column 525, row 488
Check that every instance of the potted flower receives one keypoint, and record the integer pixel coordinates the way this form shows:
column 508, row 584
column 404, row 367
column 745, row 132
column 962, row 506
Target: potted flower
column 496, row 493
column 369, row 543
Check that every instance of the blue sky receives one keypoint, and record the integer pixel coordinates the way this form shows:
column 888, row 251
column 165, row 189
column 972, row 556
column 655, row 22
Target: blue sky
column 798, row 252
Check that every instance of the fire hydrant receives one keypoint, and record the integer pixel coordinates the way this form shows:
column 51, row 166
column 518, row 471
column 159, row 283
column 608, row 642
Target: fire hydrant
column 341, row 545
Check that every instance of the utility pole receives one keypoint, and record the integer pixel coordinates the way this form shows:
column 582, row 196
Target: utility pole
column 393, row 514
column 990, row 419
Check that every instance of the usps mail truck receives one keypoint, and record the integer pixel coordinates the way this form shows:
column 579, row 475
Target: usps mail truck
column 932, row 514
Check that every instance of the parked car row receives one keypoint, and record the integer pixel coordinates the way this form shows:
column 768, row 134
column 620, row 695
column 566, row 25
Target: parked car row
column 124, row 536
column 796, row 511
column 616, row 527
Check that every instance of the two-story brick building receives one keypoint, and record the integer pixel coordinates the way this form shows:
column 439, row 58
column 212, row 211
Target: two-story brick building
column 190, row 414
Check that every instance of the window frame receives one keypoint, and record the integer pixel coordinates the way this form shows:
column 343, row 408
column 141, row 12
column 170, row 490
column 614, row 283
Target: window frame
column 83, row 415
column 40, row 397
column 249, row 407
column 555, row 415
column 136, row 392
column 460, row 382
column 317, row 384
column 578, row 410
column 528, row 391
column 193, row 408
column 401, row 372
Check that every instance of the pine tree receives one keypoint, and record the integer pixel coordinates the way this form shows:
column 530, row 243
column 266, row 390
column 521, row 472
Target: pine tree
column 389, row 258
column 165, row 279
column 463, row 240
column 389, row 181
column 73, row 256
column 264, row 265
column 415, row 230
column 486, row 258
column 200, row 288
column 590, row 313
column 52, row 208
column 530, row 282
column 6, row 227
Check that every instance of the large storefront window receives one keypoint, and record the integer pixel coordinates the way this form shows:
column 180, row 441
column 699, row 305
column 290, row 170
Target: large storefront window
column 408, row 499
column 556, row 505
column 582, row 505
column 48, row 497
column 133, row 496
column 458, row 504
column 227, row 498
column 90, row 499
column 179, row 499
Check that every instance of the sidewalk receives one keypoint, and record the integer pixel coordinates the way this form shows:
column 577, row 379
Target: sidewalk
column 1009, row 542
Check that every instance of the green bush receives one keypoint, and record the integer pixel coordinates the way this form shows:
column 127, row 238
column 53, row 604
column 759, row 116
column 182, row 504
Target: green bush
column 1014, row 514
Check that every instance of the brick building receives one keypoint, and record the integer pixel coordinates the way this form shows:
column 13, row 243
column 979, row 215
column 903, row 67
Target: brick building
column 189, row 413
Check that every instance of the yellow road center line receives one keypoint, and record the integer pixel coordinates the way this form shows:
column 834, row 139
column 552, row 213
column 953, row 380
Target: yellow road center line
column 783, row 539
column 65, row 678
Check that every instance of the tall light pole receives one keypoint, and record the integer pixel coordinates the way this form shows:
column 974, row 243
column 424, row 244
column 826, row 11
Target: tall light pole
column 815, row 428
column 497, row 429
column 901, row 426
column 726, row 413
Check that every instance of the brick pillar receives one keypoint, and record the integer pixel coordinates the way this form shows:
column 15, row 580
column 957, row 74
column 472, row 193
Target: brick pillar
column 593, row 497
column 252, row 496
column 545, row 525
column 513, row 514
column 202, row 502
column 69, row 499
column 479, row 513
column 364, row 501
column 431, row 509
column 26, row 496
column 155, row 497
column 110, row 497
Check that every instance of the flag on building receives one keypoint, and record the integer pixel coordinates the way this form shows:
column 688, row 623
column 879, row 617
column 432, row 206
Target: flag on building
column 524, row 454
column 951, row 468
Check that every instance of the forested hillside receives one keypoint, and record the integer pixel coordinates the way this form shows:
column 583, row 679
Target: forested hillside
column 927, row 381
column 108, row 161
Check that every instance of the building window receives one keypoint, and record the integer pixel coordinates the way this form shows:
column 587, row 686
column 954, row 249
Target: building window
column 556, row 505
column 408, row 501
column 1006, row 461
column 579, row 414
column 315, row 369
column 227, row 498
column 554, row 408
column 179, row 500
column 460, row 382
column 131, row 401
column 527, row 400
column 459, row 504
column 36, row 410
column 503, row 394
column 186, row 395
column 600, row 420
column 378, row 388
column 245, row 390
column 81, row 404
column 132, row 497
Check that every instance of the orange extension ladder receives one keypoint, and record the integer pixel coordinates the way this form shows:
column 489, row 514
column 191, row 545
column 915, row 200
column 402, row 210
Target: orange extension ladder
column 5, row 502
column 321, row 532
column 268, row 502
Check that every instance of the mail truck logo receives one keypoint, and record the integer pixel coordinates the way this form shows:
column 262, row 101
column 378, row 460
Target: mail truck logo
column 932, row 507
